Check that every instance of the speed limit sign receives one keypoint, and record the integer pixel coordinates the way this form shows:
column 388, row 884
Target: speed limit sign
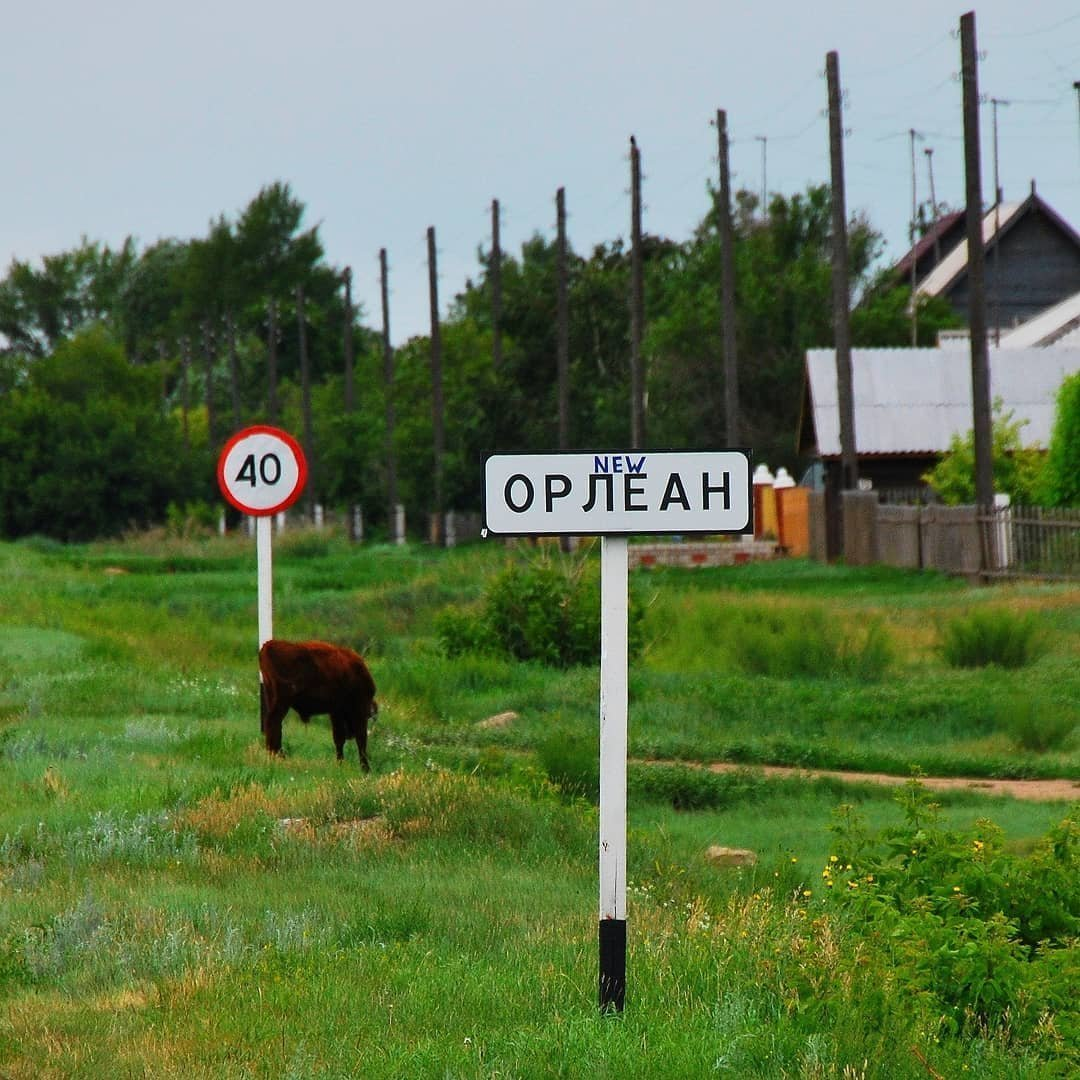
column 262, row 470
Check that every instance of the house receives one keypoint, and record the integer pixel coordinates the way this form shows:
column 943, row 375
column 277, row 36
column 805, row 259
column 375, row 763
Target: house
column 1032, row 263
column 910, row 403
column 1057, row 327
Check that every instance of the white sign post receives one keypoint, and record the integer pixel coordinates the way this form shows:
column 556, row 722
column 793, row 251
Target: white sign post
column 262, row 471
column 613, row 496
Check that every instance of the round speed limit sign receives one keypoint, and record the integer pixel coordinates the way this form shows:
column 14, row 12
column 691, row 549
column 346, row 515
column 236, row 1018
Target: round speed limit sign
column 262, row 470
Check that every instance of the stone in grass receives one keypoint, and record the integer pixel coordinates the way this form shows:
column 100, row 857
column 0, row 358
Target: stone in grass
column 499, row 720
column 719, row 855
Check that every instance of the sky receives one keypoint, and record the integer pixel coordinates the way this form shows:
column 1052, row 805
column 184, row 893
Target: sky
column 149, row 120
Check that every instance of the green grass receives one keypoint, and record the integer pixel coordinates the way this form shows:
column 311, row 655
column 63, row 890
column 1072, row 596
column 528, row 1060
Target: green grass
column 176, row 903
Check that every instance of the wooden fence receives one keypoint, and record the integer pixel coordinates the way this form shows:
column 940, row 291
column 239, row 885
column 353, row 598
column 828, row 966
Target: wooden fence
column 1006, row 542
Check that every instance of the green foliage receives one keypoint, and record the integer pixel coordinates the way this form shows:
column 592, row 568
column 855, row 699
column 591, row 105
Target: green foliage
column 808, row 644
column 1017, row 469
column 985, row 933
column 84, row 449
column 1037, row 726
column 1061, row 483
column 991, row 636
column 570, row 760
column 546, row 609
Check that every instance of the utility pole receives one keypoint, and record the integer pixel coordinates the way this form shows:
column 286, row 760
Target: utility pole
column 980, row 361
column 637, row 304
column 271, row 360
column 929, row 152
column 234, row 367
column 841, row 302
column 388, row 385
column 437, row 412
column 185, row 400
column 562, row 318
column 208, row 367
column 764, row 140
column 998, row 194
column 1076, row 87
column 350, row 398
column 913, row 236
column 727, row 289
column 305, row 400
column 495, row 272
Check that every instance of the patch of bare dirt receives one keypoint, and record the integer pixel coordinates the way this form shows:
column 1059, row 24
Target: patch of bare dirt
column 1034, row 790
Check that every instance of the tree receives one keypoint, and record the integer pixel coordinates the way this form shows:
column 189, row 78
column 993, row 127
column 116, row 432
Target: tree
column 1061, row 480
column 40, row 308
column 84, row 448
column 1017, row 469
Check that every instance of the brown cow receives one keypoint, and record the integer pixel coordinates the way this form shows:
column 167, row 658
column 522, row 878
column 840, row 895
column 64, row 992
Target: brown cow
column 314, row 678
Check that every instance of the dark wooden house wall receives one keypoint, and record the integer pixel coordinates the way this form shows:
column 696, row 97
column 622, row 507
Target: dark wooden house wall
column 1033, row 267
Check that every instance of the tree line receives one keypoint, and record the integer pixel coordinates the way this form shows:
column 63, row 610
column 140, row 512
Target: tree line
column 124, row 371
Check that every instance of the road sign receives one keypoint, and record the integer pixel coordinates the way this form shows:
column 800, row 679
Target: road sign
column 618, row 494
column 262, row 470
column 614, row 495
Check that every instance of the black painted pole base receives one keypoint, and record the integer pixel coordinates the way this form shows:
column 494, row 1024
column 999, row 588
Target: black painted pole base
column 612, row 964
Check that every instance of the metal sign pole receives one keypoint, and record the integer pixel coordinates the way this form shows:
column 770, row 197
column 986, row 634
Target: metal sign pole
column 265, row 569
column 613, row 740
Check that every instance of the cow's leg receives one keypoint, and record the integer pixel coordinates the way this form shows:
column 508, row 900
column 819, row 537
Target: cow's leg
column 341, row 733
column 272, row 727
column 361, row 743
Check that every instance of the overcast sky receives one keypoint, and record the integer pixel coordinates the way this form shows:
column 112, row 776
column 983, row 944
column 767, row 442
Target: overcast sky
column 150, row 119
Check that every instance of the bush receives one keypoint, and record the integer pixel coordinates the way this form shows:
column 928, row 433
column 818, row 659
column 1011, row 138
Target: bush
column 987, row 935
column 546, row 610
column 807, row 643
column 991, row 636
column 1037, row 726
column 571, row 761
column 1061, row 480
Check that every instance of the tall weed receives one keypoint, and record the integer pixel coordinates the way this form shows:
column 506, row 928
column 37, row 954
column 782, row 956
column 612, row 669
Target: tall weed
column 807, row 643
column 991, row 636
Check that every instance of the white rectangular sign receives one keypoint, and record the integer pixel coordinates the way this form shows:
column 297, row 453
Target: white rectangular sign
column 626, row 492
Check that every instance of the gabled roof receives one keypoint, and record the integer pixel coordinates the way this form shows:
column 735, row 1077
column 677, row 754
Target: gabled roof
column 996, row 223
column 1059, row 325
column 913, row 401
column 938, row 233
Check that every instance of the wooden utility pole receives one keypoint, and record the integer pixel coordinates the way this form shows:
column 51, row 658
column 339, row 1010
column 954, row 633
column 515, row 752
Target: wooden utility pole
column 495, row 274
column 388, row 386
column 913, row 236
column 208, row 368
column 980, row 360
column 562, row 318
column 727, row 288
column 637, row 304
column 271, row 361
column 437, row 408
column 350, row 395
column 185, row 400
column 311, row 491
column 234, row 368
column 841, row 313
column 929, row 152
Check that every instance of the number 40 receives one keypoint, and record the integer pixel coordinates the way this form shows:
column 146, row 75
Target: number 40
column 269, row 470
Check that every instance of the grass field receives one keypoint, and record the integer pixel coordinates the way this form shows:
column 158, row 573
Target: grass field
column 176, row 903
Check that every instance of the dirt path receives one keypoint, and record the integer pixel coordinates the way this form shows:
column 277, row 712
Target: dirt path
column 1035, row 790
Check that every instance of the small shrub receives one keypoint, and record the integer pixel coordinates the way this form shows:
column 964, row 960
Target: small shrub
column 805, row 643
column 985, row 933
column 1037, row 726
column 991, row 636
column 571, row 761
column 546, row 610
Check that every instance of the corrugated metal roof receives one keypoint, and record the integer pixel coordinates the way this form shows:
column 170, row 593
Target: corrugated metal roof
column 953, row 265
column 910, row 401
column 1055, row 326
